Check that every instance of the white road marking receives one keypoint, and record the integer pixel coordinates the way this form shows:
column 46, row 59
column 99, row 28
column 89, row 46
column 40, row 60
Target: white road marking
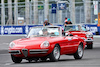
column 8, row 64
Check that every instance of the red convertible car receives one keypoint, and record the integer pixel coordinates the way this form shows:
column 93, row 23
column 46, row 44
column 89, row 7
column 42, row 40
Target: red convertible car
column 46, row 42
column 80, row 30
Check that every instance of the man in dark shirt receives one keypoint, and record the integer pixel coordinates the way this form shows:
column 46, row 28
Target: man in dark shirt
column 68, row 22
column 46, row 23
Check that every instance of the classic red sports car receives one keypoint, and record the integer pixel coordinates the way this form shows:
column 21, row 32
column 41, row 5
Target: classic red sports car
column 46, row 42
column 81, row 31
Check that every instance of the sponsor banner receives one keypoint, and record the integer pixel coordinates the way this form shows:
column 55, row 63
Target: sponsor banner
column 27, row 28
column 92, row 28
column 9, row 30
column 13, row 30
column 61, row 6
column 54, row 6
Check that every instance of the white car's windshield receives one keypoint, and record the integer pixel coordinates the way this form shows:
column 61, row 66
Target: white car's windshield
column 75, row 28
column 44, row 31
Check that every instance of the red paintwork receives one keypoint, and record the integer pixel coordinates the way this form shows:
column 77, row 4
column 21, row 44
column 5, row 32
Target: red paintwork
column 67, row 46
column 82, row 34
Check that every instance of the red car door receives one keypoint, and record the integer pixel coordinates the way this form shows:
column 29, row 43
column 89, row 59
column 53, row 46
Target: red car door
column 72, row 44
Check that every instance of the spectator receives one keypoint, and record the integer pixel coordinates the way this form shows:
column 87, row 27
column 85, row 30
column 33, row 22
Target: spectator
column 67, row 22
column 65, row 19
column 46, row 23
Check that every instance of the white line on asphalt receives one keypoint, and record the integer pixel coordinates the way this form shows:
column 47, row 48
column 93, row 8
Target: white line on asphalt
column 8, row 64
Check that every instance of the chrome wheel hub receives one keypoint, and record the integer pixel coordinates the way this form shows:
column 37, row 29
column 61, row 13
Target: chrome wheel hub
column 56, row 52
column 80, row 50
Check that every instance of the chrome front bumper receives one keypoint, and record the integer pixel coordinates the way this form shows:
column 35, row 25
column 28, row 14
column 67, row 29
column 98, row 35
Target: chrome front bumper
column 25, row 51
column 14, row 52
column 38, row 51
column 89, row 40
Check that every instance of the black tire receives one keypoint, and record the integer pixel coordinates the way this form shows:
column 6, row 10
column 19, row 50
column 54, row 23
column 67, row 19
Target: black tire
column 29, row 60
column 90, row 46
column 79, row 53
column 44, row 59
column 16, row 59
column 53, row 56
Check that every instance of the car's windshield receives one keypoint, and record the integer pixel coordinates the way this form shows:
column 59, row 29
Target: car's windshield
column 44, row 31
column 75, row 28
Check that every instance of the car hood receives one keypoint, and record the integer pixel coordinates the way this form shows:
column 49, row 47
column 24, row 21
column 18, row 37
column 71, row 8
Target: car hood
column 36, row 41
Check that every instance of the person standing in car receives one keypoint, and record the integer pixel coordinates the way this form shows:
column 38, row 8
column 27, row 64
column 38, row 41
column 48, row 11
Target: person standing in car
column 67, row 22
column 46, row 23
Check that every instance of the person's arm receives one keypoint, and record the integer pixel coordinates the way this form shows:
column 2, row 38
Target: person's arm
column 43, row 24
column 50, row 24
column 65, row 24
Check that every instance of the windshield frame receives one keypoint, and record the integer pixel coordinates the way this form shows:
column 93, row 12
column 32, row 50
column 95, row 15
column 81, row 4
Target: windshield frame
column 60, row 34
column 76, row 25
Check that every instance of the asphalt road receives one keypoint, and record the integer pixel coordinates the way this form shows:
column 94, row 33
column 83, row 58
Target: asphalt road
column 91, row 58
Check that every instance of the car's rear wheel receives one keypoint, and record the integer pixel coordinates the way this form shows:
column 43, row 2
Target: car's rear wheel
column 79, row 53
column 55, row 55
column 90, row 46
column 16, row 59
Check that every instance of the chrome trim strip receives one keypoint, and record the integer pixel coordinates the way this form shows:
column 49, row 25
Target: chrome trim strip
column 11, row 51
column 39, row 50
column 88, row 40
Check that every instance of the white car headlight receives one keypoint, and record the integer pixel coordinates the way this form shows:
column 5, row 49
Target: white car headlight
column 87, row 35
column 91, row 35
column 45, row 44
column 12, row 44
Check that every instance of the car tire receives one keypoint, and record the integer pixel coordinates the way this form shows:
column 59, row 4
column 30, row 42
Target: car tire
column 29, row 60
column 43, row 59
column 55, row 54
column 90, row 46
column 79, row 53
column 16, row 59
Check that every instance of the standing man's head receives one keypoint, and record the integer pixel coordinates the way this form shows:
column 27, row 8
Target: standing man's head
column 46, row 20
column 65, row 18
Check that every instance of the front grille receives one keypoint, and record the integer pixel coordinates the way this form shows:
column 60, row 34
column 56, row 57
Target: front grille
column 88, row 39
column 25, row 52
column 41, row 51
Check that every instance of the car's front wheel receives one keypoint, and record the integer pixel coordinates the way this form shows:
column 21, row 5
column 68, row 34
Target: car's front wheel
column 79, row 53
column 16, row 59
column 55, row 55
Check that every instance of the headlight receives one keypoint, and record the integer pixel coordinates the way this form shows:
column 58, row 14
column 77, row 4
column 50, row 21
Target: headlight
column 91, row 35
column 87, row 35
column 45, row 44
column 12, row 44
